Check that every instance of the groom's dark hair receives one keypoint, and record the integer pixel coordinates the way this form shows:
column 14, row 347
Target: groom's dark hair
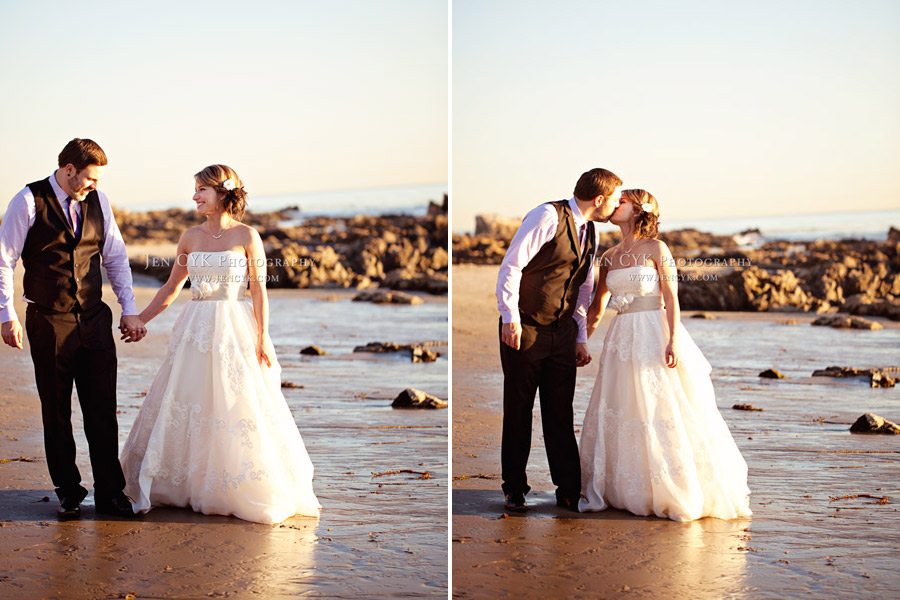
column 596, row 182
column 82, row 152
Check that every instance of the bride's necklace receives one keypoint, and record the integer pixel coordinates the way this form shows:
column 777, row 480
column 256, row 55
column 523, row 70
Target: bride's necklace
column 216, row 237
column 624, row 251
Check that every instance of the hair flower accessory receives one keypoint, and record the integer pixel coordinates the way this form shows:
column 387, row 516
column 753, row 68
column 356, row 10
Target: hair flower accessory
column 228, row 184
column 647, row 207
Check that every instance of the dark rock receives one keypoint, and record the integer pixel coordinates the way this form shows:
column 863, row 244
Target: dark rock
column 745, row 407
column 385, row 297
column 313, row 351
column 401, row 279
column 848, row 322
column 893, row 235
column 703, row 315
column 771, row 374
column 289, row 385
column 871, row 423
column 878, row 378
column 413, row 398
column 418, row 352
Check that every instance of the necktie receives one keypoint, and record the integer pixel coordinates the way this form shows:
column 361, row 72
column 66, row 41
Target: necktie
column 581, row 238
column 74, row 218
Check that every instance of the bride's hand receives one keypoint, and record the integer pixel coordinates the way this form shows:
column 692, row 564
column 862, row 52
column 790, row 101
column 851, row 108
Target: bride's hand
column 671, row 359
column 264, row 350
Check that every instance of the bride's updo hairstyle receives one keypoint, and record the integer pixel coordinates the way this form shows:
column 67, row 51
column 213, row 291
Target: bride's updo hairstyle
column 646, row 222
column 217, row 176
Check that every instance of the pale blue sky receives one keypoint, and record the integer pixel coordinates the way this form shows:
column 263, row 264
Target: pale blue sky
column 296, row 96
column 717, row 108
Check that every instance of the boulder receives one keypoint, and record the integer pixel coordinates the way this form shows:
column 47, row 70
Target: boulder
column 871, row 423
column 418, row 352
column 413, row 398
column 385, row 297
column 848, row 322
column 878, row 378
column 313, row 351
column 771, row 374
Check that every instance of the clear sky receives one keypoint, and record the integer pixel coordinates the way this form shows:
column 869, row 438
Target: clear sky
column 717, row 108
column 296, row 96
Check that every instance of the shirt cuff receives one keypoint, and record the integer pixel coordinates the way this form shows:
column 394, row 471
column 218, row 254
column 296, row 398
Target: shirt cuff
column 510, row 317
column 8, row 314
column 129, row 308
column 582, row 336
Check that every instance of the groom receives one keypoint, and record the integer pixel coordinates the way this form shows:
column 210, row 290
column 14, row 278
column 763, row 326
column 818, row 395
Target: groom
column 543, row 291
column 63, row 229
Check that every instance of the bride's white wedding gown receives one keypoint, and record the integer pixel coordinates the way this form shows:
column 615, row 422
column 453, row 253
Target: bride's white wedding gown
column 653, row 441
column 214, row 431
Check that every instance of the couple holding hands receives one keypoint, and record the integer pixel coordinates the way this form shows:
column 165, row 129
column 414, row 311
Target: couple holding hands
column 214, row 431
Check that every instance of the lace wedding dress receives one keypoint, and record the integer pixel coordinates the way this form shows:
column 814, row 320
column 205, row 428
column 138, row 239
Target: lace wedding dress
column 653, row 441
column 214, row 431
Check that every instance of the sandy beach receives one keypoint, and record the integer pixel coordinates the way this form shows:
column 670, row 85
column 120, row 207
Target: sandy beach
column 381, row 475
column 818, row 530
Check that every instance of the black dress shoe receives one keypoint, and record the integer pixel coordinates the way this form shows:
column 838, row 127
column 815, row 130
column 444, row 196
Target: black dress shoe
column 69, row 504
column 119, row 506
column 567, row 502
column 515, row 502
column 69, row 508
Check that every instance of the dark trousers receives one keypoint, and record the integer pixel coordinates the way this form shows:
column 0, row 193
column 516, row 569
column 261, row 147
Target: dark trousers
column 545, row 361
column 77, row 346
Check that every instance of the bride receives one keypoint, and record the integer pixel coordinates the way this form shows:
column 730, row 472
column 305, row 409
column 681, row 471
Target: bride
column 653, row 441
column 214, row 431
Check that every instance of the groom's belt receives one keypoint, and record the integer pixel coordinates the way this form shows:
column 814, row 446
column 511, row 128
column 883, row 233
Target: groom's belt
column 643, row 303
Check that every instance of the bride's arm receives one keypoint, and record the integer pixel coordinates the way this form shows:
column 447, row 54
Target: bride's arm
column 256, row 255
column 170, row 289
column 601, row 297
column 668, row 283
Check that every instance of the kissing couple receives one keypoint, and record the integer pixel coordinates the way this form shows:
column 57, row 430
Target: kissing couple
column 653, row 441
column 214, row 431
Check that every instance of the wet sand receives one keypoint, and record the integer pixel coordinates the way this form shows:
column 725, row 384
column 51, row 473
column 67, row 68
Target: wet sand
column 378, row 536
column 799, row 544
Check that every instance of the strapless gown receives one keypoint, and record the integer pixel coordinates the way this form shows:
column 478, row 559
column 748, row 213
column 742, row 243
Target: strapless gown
column 653, row 441
column 214, row 431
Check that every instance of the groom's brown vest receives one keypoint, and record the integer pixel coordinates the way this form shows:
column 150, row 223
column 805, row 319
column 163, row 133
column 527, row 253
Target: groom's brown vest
column 548, row 290
column 62, row 271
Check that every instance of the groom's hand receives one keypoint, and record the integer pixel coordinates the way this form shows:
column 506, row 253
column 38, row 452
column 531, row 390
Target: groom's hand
column 132, row 328
column 582, row 355
column 12, row 334
column 512, row 335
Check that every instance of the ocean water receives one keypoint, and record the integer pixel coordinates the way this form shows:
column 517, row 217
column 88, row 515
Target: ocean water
column 409, row 200
column 870, row 225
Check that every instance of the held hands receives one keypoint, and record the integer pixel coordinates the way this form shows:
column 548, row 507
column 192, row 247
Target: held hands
column 132, row 328
column 582, row 355
column 671, row 359
column 264, row 350
column 512, row 335
column 12, row 334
